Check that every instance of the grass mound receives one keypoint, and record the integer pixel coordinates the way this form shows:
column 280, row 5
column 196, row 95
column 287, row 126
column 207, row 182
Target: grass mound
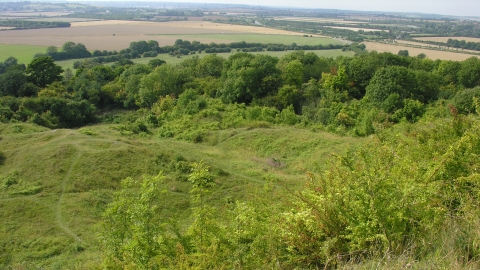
column 54, row 184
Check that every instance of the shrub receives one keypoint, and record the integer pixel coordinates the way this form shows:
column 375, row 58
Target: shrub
column 87, row 131
column 358, row 208
column 287, row 116
column 463, row 100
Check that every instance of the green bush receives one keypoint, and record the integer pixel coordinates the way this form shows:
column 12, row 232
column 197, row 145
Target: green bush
column 389, row 198
column 5, row 114
column 463, row 100
column 87, row 131
column 287, row 116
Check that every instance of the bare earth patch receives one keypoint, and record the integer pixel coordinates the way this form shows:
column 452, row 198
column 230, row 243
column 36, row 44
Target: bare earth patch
column 432, row 54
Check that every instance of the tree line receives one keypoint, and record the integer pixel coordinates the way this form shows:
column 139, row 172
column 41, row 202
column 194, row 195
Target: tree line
column 455, row 43
column 346, row 94
column 151, row 48
column 19, row 24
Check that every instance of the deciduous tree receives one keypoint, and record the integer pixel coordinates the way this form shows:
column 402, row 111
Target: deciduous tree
column 43, row 71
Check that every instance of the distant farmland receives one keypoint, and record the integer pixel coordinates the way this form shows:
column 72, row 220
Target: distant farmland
column 174, row 60
column 445, row 39
column 356, row 28
column 117, row 35
column 432, row 54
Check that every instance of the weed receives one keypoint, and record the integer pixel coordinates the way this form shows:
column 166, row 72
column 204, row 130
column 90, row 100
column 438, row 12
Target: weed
column 87, row 131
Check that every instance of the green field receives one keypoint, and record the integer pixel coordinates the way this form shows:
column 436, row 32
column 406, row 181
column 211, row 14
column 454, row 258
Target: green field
column 64, row 178
column 175, row 60
column 262, row 38
column 24, row 53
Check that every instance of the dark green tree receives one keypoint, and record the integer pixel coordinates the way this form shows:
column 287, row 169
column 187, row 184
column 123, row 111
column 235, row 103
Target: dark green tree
column 73, row 50
column 211, row 65
column 427, row 86
column 11, row 82
column 469, row 73
column 403, row 53
column 292, row 73
column 156, row 62
column 448, row 71
column 140, row 46
column 360, row 71
column 464, row 100
column 390, row 86
column 247, row 77
column 43, row 71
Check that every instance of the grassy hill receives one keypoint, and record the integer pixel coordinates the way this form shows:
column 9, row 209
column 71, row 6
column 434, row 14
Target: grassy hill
column 55, row 184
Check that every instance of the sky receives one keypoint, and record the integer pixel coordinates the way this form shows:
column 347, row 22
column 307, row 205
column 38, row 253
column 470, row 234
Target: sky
column 445, row 7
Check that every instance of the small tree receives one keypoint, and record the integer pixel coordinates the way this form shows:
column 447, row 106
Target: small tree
column 129, row 234
column 201, row 179
column 403, row 53
column 43, row 71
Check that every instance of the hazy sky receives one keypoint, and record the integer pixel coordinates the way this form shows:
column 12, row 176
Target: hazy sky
column 447, row 7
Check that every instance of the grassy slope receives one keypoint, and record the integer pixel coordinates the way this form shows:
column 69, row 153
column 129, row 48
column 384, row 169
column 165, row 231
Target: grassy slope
column 64, row 179
column 174, row 60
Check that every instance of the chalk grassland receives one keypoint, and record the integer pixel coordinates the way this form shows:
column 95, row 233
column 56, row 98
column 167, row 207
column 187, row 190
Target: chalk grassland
column 24, row 53
column 445, row 39
column 175, row 60
column 432, row 54
column 117, row 35
column 60, row 181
